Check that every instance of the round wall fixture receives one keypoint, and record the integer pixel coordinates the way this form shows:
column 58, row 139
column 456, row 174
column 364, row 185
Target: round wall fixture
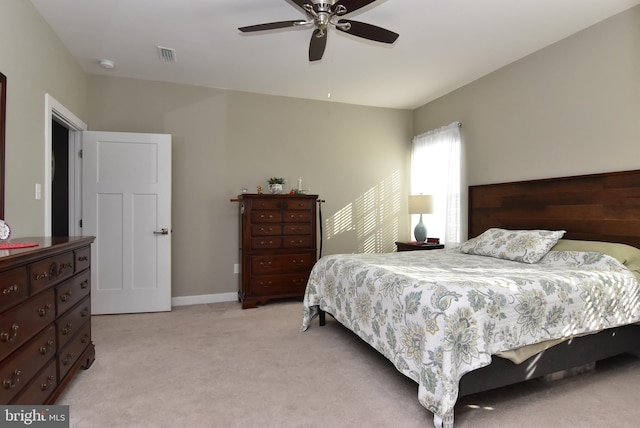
column 106, row 64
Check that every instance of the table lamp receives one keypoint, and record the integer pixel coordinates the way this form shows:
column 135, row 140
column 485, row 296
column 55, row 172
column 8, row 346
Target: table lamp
column 420, row 204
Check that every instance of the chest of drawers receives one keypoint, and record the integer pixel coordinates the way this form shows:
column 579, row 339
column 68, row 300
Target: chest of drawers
column 45, row 318
column 278, row 246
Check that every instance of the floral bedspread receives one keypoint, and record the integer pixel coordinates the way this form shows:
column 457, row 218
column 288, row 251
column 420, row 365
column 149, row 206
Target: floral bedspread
column 439, row 314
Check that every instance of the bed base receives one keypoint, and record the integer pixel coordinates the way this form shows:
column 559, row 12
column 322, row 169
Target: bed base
column 566, row 355
column 573, row 353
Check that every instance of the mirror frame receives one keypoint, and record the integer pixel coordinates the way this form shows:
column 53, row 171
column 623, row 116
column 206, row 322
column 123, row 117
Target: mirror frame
column 3, row 105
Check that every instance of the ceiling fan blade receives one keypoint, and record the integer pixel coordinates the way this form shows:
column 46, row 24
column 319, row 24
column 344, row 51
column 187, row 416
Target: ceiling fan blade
column 351, row 5
column 270, row 26
column 368, row 31
column 301, row 3
column 317, row 45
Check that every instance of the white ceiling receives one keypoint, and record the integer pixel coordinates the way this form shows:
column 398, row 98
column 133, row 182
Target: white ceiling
column 443, row 44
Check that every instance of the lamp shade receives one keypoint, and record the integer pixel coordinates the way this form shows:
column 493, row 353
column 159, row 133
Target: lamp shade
column 420, row 204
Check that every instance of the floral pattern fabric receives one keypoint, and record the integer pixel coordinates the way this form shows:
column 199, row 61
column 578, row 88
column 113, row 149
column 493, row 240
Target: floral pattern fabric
column 439, row 314
column 527, row 246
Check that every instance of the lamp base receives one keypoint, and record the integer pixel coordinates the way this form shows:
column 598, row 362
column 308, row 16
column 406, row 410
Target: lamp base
column 420, row 231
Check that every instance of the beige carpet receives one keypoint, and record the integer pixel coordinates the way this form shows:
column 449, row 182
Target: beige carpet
column 220, row 366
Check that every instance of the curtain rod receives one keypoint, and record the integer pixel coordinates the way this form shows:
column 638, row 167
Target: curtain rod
column 456, row 123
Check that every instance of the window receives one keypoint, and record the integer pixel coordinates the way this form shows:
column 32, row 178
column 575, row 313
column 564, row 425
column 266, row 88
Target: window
column 436, row 169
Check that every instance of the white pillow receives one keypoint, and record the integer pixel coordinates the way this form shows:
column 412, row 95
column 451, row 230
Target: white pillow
column 527, row 246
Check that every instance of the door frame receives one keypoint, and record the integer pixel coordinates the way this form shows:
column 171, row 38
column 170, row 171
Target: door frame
column 55, row 110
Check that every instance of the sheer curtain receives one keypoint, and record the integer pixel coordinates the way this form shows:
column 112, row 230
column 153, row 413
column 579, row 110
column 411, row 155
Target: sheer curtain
column 436, row 169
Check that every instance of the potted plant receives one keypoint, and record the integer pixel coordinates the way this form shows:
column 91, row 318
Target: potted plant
column 275, row 185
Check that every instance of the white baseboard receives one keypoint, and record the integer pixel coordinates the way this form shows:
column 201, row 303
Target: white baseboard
column 203, row 299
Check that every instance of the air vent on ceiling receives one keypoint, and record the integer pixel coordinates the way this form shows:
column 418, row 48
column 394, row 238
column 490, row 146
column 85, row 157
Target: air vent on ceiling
column 167, row 54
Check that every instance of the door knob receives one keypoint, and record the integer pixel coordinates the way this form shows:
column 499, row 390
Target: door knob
column 161, row 232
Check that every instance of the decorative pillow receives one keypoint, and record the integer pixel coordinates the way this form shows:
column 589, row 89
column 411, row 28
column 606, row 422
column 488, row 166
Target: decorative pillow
column 625, row 254
column 527, row 246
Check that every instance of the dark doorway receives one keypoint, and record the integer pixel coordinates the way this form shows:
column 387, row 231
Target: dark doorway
column 59, row 180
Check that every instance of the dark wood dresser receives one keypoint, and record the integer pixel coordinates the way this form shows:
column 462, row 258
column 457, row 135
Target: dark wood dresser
column 45, row 318
column 278, row 246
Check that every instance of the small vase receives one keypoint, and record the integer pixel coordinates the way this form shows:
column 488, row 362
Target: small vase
column 275, row 188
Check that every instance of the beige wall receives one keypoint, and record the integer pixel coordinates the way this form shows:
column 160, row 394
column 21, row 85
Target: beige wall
column 356, row 158
column 569, row 109
column 35, row 63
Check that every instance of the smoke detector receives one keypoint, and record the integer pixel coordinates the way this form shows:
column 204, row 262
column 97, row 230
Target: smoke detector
column 107, row 64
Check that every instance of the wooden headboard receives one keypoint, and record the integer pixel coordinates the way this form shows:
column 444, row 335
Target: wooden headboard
column 596, row 207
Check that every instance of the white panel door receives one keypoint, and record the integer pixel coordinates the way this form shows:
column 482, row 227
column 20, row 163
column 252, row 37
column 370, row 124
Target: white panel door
column 126, row 205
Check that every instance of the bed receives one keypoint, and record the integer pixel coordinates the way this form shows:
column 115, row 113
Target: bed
column 549, row 281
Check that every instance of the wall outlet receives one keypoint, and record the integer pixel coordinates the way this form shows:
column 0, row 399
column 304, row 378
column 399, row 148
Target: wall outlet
column 236, row 268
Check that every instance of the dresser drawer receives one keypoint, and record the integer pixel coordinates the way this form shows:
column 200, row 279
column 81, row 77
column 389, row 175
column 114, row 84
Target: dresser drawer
column 40, row 387
column 297, row 229
column 266, row 230
column 266, row 216
column 282, row 263
column 82, row 258
column 298, row 204
column 19, row 324
column 292, row 285
column 266, row 242
column 17, row 370
column 13, row 287
column 69, row 324
column 297, row 216
column 72, row 291
column 266, row 204
column 298, row 242
column 51, row 271
column 72, row 351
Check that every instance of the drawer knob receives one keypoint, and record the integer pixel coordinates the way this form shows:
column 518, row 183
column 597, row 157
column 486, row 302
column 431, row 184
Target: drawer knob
column 84, row 313
column 67, row 359
column 66, row 296
column 84, row 284
column 11, row 383
column 10, row 336
column 44, row 349
column 83, row 258
column 263, row 263
column 43, row 311
column 41, row 276
column 11, row 289
column 47, row 384
column 67, row 328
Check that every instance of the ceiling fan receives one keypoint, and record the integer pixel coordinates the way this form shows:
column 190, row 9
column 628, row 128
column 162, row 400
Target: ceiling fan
column 324, row 13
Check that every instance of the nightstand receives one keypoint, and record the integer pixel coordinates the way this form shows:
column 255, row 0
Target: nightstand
column 415, row 246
